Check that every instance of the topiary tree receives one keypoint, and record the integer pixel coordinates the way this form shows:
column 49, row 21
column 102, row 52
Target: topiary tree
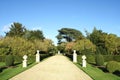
column 112, row 66
column 9, row 60
column 99, row 60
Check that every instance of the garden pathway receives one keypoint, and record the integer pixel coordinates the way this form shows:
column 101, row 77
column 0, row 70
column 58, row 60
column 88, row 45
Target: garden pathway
column 54, row 68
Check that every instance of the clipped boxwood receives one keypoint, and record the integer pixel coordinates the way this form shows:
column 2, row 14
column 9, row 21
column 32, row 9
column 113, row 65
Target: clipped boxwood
column 9, row 60
column 113, row 66
column 99, row 60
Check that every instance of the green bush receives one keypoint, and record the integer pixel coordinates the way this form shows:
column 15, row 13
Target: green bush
column 2, row 58
column 79, row 58
column 90, row 59
column 99, row 60
column 108, row 58
column 116, row 58
column 113, row 66
column 9, row 60
column 18, row 59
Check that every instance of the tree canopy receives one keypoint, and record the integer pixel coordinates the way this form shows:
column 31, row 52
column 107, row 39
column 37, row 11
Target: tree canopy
column 34, row 34
column 68, row 34
column 16, row 29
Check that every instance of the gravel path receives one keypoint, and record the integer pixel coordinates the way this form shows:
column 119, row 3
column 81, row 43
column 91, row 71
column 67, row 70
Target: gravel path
column 54, row 68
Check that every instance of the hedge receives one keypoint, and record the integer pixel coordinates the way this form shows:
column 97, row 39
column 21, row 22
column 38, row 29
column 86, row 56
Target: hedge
column 113, row 66
column 91, row 58
column 18, row 58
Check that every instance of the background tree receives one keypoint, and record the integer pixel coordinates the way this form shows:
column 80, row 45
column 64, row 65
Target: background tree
column 69, row 47
column 34, row 34
column 16, row 29
column 68, row 34
column 84, row 44
column 61, row 47
column 98, row 38
column 111, row 43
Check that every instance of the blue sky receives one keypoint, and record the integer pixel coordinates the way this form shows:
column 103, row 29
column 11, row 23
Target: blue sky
column 52, row 15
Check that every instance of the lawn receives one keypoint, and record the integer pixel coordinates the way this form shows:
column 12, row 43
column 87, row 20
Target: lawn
column 98, row 74
column 7, row 73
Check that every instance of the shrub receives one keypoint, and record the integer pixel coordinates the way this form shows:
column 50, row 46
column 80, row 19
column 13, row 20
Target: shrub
column 79, row 58
column 113, row 66
column 90, row 59
column 2, row 58
column 99, row 60
column 108, row 58
column 9, row 60
column 18, row 59
column 116, row 58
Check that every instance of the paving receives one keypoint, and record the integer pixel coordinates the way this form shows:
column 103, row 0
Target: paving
column 57, row 67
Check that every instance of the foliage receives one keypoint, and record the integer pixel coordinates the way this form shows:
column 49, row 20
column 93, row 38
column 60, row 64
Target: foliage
column 113, row 66
column 9, row 60
column 111, row 43
column 107, row 43
column 84, row 44
column 16, row 29
column 33, row 34
column 21, row 46
column 98, row 37
column 2, row 58
column 79, row 59
column 108, row 58
column 68, row 34
column 99, row 60
column 116, row 58
column 61, row 47
column 69, row 47
column 90, row 59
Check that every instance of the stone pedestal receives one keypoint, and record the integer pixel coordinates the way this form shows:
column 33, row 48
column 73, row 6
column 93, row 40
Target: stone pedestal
column 25, row 61
column 58, row 52
column 75, row 56
column 83, row 61
column 37, row 56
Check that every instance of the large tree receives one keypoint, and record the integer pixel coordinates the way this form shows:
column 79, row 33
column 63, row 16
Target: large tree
column 68, row 34
column 84, row 44
column 111, row 43
column 16, row 29
column 97, row 37
column 34, row 34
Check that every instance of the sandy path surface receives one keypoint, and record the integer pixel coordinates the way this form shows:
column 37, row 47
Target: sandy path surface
column 54, row 68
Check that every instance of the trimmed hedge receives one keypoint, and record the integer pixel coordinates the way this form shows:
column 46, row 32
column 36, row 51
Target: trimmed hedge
column 111, row 58
column 113, row 66
column 99, row 60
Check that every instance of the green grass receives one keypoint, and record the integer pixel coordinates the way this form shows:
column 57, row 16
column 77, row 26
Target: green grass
column 2, row 64
column 98, row 74
column 12, row 71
